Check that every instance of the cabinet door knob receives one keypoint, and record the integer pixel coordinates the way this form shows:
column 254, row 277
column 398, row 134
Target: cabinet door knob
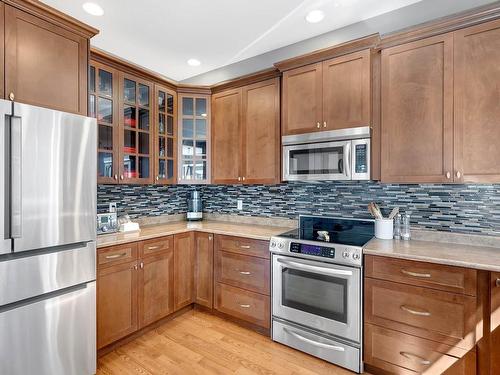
column 497, row 282
column 135, row 266
column 142, row 265
column 318, row 125
column 210, row 238
column 157, row 178
column 324, row 124
column 239, row 178
column 116, row 177
column 11, row 96
column 448, row 175
column 121, row 177
column 459, row 174
column 243, row 178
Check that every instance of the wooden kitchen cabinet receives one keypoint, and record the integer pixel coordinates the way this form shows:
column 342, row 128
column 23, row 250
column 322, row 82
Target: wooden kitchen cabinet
column 477, row 103
column 417, row 111
column 204, row 267
column 246, row 134
column 494, row 339
column 184, row 265
column 46, row 57
column 165, row 135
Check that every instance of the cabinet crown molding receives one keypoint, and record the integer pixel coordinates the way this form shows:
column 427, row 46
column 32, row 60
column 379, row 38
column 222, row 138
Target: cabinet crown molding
column 245, row 80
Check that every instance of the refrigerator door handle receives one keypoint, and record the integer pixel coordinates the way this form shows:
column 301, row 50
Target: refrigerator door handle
column 16, row 177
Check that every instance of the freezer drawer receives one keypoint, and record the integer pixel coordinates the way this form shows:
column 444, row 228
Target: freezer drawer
column 26, row 277
column 50, row 336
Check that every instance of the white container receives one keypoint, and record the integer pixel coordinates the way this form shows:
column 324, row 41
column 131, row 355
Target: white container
column 384, row 229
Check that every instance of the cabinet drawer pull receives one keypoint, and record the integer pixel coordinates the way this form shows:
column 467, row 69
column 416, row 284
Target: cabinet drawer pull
column 245, row 246
column 244, row 306
column 245, row 272
column 415, row 312
column 153, row 247
column 416, row 274
column 497, row 282
column 419, row 359
column 116, row 256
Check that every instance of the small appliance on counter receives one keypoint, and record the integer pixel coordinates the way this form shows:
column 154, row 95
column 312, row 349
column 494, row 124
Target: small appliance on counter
column 317, row 288
column 127, row 225
column 195, row 207
column 107, row 223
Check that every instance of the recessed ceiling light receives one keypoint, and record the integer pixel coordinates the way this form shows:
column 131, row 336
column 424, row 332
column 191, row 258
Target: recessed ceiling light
column 193, row 62
column 315, row 16
column 93, row 9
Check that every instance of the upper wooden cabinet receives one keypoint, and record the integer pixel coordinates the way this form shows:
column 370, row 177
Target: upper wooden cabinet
column 440, row 109
column 417, row 111
column 246, row 134
column 329, row 95
column 165, row 135
column 46, row 57
column 477, row 103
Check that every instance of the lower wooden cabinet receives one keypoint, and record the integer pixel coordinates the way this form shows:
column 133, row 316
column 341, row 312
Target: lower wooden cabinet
column 204, row 267
column 184, row 263
column 494, row 310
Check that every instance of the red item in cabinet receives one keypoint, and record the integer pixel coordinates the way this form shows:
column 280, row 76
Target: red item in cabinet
column 129, row 150
column 130, row 122
column 131, row 174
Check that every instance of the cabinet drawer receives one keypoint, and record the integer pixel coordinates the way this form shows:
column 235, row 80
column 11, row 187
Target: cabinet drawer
column 399, row 353
column 246, row 272
column 436, row 276
column 439, row 316
column 240, row 245
column 156, row 246
column 109, row 256
column 243, row 304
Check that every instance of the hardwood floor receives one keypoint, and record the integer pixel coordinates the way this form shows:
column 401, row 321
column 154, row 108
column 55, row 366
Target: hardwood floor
column 200, row 343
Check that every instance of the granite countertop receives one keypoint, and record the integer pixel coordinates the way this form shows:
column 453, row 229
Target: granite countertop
column 453, row 254
column 258, row 232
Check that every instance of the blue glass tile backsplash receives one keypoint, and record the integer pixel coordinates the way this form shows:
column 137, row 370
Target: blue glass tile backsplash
column 456, row 208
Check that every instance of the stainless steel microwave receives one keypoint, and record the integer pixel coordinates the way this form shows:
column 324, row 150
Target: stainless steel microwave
column 342, row 154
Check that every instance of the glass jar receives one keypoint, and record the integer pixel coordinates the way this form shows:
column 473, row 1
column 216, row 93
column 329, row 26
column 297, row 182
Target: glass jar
column 405, row 228
column 397, row 227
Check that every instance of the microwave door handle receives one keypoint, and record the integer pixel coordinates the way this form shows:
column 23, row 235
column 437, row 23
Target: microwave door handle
column 348, row 160
column 316, row 269
column 15, row 177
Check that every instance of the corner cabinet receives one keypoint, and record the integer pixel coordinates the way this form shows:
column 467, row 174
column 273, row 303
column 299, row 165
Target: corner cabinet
column 246, row 134
column 329, row 95
column 44, row 57
column 440, row 109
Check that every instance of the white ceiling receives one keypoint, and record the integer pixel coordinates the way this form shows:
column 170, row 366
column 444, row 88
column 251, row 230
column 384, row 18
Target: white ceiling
column 162, row 35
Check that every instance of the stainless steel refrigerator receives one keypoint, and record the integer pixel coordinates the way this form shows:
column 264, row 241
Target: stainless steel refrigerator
column 47, row 241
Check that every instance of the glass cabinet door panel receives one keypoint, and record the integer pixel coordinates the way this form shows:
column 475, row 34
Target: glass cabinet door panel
column 105, row 164
column 170, row 104
column 129, row 90
column 129, row 142
column 161, row 169
column 105, row 137
column 161, row 147
column 105, row 83
column 129, row 166
column 92, row 79
column 187, row 107
column 161, row 101
column 161, row 123
column 144, row 143
column 92, row 106
column 170, row 169
column 201, row 107
column 187, row 128
column 170, row 125
column 105, row 107
column 129, row 117
column 143, row 95
column 187, row 149
column 201, row 128
column 143, row 167
column 187, row 170
column 200, row 170
column 201, row 148
column 144, row 119
column 170, row 147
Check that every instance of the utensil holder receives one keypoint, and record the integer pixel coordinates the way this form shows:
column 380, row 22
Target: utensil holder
column 384, row 229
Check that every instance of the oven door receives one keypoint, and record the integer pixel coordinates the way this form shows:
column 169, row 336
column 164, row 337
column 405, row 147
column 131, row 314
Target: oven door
column 317, row 161
column 322, row 296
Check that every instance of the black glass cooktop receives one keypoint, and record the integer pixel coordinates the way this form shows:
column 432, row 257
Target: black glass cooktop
column 341, row 231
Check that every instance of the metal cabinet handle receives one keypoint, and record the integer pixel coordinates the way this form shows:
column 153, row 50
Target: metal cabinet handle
column 116, row 256
column 244, row 272
column 157, row 178
column 243, row 178
column 142, row 265
column 497, row 282
column 245, row 246
column 415, row 312
column 239, row 178
column 116, row 177
column 416, row 274
column 153, row 247
column 121, row 177
column 12, row 96
column 245, row 306
column 210, row 238
column 324, row 124
column 419, row 359
column 318, row 125
column 459, row 174
column 135, row 266
column 448, row 175
column 315, row 343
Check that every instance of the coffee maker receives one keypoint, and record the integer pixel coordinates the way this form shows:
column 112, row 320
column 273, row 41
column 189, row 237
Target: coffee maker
column 195, row 207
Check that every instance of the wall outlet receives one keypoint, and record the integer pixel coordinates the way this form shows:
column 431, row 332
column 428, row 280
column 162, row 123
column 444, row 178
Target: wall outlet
column 112, row 207
column 239, row 203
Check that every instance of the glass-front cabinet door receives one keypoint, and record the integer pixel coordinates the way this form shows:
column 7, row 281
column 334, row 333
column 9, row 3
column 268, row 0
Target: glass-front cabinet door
column 194, row 135
column 136, row 108
column 103, row 105
column 165, row 135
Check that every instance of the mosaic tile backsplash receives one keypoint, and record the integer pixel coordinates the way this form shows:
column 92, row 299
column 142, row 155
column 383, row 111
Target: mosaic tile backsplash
column 455, row 208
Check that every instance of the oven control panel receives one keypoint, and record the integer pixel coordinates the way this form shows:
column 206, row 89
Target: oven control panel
column 307, row 249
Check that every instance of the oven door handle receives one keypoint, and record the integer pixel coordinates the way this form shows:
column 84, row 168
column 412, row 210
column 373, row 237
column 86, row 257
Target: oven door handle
column 316, row 269
column 312, row 342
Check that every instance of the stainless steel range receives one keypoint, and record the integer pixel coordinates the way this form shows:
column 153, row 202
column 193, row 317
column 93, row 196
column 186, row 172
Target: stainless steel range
column 317, row 288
